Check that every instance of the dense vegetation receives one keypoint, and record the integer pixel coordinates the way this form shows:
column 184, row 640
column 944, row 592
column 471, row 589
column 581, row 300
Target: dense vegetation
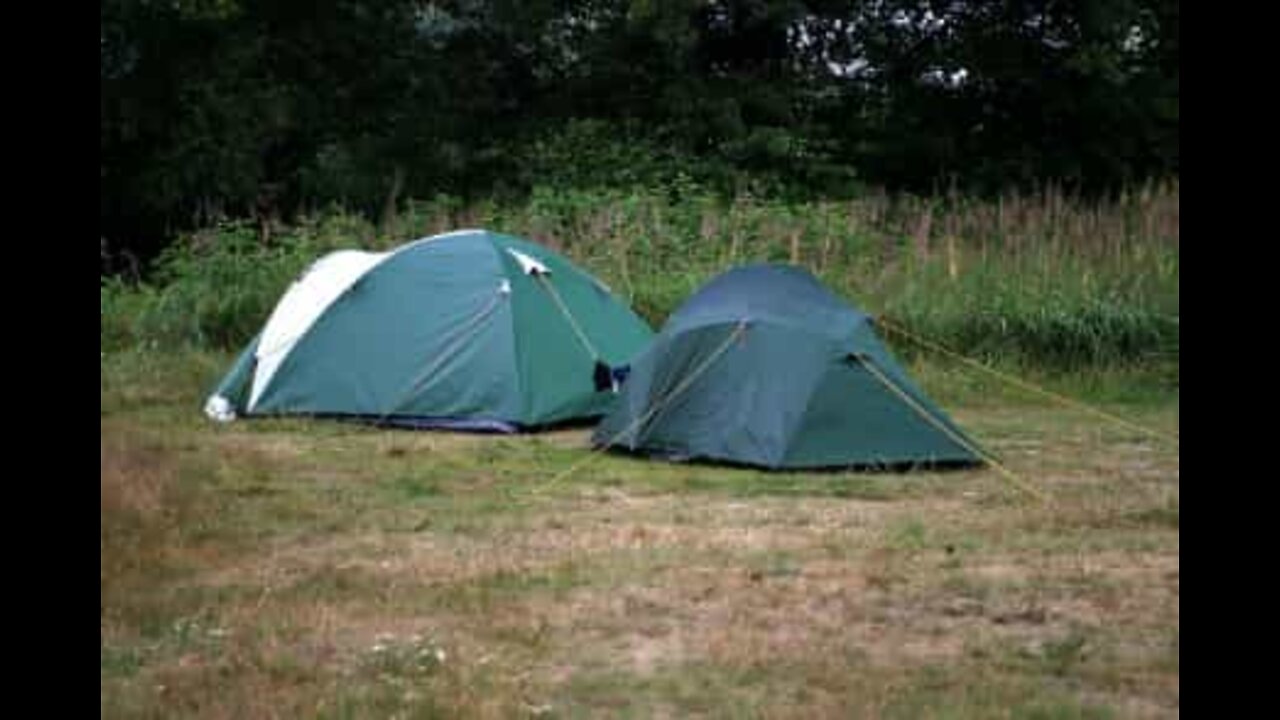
column 1023, row 280
column 217, row 109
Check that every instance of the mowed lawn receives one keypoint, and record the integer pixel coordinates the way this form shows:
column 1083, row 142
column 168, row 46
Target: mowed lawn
column 319, row 569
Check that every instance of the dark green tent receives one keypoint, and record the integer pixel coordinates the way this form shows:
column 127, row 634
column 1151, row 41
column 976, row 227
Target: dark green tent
column 470, row 330
column 764, row 366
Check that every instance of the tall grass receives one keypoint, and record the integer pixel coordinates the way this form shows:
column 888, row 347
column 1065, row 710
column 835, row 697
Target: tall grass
column 1034, row 279
column 214, row 289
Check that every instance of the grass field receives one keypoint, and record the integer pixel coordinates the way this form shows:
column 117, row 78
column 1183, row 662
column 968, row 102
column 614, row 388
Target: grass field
column 313, row 569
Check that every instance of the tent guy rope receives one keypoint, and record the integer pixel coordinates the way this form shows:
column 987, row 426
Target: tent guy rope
column 738, row 329
column 564, row 310
column 1150, row 432
column 999, row 467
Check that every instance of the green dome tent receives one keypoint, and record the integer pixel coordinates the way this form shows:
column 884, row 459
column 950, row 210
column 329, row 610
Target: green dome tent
column 466, row 330
column 764, row 366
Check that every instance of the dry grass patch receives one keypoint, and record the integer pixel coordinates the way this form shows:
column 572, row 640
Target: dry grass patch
column 324, row 570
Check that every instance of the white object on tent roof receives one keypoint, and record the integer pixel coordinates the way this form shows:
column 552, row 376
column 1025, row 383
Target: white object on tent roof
column 528, row 265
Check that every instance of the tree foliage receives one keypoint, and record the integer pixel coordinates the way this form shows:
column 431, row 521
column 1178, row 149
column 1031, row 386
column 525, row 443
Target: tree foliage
column 214, row 108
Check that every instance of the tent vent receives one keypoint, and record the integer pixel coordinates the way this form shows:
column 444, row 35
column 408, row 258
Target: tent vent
column 528, row 265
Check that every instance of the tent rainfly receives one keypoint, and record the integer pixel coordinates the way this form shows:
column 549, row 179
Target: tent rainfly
column 764, row 366
column 466, row 330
